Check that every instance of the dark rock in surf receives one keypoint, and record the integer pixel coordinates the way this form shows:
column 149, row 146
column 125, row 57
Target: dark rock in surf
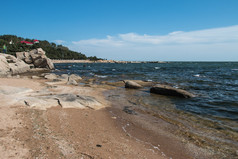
column 170, row 91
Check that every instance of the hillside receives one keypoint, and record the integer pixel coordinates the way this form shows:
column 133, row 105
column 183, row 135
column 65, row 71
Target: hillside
column 18, row 44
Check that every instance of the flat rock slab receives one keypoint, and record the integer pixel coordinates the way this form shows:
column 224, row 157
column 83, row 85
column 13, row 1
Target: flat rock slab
column 170, row 91
column 46, row 98
column 77, row 101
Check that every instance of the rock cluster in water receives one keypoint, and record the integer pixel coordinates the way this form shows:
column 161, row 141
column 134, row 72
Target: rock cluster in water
column 24, row 62
column 160, row 89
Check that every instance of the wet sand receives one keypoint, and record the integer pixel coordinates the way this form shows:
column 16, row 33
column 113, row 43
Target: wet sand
column 108, row 132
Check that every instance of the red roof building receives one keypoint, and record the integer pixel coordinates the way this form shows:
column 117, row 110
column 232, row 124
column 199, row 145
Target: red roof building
column 35, row 41
column 26, row 42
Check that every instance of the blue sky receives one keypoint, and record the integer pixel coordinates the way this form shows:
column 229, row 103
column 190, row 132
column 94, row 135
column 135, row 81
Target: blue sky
column 168, row 30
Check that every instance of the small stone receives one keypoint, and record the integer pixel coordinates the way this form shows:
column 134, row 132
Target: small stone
column 98, row 145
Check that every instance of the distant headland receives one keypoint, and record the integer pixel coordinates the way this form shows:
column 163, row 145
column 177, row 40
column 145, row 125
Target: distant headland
column 11, row 44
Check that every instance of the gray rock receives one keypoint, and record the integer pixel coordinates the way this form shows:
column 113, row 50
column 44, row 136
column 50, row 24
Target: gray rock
column 40, row 62
column 33, row 52
column 10, row 58
column 19, row 67
column 20, row 55
column 11, row 65
column 28, row 59
column 35, row 77
column 75, row 77
column 51, row 76
column 40, row 51
column 64, row 76
column 170, row 91
column 41, row 102
column 50, row 64
column 77, row 101
column 9, row 76
column 4, row 66
column 72, row 82
column 131, row 84
column 36, row 57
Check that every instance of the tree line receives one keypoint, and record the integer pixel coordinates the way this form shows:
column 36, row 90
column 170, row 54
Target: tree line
column 53, row 51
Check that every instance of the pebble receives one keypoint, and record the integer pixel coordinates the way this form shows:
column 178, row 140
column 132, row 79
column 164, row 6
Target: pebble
column 98, row 145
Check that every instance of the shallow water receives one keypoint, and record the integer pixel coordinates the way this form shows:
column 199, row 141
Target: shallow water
column 214, row 112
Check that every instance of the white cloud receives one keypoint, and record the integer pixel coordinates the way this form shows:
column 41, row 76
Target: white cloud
column 100, row 42
column 59, row 42
column 209, row 44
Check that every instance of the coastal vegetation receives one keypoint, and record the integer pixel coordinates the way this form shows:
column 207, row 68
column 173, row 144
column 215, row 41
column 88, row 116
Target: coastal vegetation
column 18, row 44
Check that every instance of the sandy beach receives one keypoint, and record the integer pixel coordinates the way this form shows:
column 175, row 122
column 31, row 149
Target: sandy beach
column 101, row 131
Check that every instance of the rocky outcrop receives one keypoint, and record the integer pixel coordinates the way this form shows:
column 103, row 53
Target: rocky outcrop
column 62, row 79
column 36, row 57
column 19, row 67
column 46, row 98
column 4, row 66
column 132, row 84
column 11, row 65
column 170, row 91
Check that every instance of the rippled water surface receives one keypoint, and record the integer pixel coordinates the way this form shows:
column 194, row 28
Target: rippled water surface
column 214, row 83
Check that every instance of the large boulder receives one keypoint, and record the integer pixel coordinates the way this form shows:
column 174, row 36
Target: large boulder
column 11, row 65
column 28, row 59
column 132, row 84
column 170, row 91
column 20, row 55
column 10, row 58
column 36, row 57
column 4, row 66
column 19, row 67
column 40, row 51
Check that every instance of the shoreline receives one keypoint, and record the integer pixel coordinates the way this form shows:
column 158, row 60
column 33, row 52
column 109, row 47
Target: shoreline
column 103, row 61
column 90, row 133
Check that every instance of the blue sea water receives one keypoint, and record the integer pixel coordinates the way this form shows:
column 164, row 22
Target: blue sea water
column 214, row 83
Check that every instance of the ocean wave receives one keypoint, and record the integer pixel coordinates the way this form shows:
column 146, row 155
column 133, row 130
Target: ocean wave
column 198, row 75
column 100, row 76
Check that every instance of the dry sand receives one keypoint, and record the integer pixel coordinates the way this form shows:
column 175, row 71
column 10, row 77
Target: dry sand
column 57, row 132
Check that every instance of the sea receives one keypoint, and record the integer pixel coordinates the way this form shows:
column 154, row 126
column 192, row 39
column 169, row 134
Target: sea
column 212, row 114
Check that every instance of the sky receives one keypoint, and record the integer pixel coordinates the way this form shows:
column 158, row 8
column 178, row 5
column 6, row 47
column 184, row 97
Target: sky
column 138, row 30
